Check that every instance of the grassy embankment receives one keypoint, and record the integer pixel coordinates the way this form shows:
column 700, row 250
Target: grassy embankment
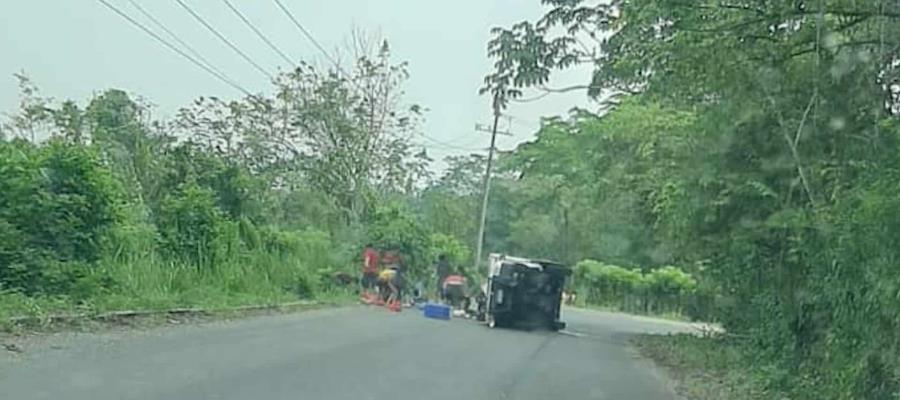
column 152, row 284
column 707, row 368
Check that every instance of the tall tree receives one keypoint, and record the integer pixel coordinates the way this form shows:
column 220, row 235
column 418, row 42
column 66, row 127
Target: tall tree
column 790, row 110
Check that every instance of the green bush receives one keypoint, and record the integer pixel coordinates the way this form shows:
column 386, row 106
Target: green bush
column 661, row 290
column 193, row 229
column 456, row 251
column 394, row 227
column 57, row 203
column 459, row 256
column 235, row 192
column 669, row 281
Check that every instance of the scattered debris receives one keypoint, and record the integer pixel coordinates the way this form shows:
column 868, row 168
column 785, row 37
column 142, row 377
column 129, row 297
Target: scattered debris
column 12, row 347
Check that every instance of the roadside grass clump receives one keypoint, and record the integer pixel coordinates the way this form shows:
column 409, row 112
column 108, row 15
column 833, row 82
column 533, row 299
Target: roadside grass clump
column 709, row 368
column 667, row 291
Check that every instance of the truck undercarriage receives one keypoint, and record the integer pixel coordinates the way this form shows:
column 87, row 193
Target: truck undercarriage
column 525, row 293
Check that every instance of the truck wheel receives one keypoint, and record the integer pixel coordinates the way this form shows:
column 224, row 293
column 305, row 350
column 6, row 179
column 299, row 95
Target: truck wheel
column 494, row 322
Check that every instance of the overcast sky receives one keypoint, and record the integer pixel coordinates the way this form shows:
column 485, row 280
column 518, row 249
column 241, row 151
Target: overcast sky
column 74, row 48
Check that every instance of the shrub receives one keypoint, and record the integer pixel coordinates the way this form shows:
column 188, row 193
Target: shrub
column 660, row 290
column 394, row 227
column 457, row 252
column 193, row 229
column 670, row 281
column 57, row 203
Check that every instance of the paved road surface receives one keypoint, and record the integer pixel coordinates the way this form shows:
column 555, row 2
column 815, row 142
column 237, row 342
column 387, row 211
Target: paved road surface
column 353, row 353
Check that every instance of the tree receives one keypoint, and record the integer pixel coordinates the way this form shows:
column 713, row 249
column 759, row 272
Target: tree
column 769, row 118
column 33, row 115
column 345, row 135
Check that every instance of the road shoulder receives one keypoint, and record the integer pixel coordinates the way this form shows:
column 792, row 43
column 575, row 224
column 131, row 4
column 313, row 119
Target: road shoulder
column 703, row 368
column 43, row 335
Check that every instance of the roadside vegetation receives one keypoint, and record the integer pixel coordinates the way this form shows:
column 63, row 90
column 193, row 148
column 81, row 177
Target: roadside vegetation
column 707, row 368
column 260, row 200
column 751, row 144
column 742, row 168
column 663, row 291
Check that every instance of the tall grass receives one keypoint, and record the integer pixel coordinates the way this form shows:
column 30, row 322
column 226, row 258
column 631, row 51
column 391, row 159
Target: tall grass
column 259, row 278
column 153, row 283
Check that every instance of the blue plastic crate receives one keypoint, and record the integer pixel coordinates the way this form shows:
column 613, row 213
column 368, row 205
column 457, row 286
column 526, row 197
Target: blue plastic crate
column 437, row 311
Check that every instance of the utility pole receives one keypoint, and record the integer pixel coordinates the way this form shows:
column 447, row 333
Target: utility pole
column 486, row 186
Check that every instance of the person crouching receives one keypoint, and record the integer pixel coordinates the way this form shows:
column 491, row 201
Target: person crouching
column 454, row 290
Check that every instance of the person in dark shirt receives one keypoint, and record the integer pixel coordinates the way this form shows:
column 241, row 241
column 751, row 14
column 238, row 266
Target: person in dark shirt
column 442, row 270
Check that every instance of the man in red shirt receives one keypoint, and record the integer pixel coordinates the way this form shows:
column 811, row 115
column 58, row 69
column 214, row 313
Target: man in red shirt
column 370, row 269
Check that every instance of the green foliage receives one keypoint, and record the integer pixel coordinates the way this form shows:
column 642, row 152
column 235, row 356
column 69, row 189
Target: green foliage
column 710, row 368
column 193, row 227
column 237, row 193
column 57, row 203
column 394, row 227
column 669, row 281
column 661, row 290
column 259, row 199
column 441, row 244
column 755, row 142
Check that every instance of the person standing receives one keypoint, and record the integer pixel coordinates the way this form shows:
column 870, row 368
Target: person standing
column 442, row 270
column 370, row 269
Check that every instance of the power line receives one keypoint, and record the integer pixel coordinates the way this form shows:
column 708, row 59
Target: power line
column 445, row 148
column 447, row 145
column 173, row 48
column 468, row 143
column 306, row 33
column 259, row 33
column 523, row 122
column 441, row 145
column 225, row 40
column 531, row 99
column 316, row 43
column 486, row 128
column 176, row 38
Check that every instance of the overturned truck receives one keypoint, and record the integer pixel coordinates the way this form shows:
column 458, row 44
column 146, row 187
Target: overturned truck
column 524, row 293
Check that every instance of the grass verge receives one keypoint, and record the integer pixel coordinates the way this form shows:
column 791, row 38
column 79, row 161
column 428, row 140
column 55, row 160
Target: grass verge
column 706, row 368
column 150, row 285
column 668, row 315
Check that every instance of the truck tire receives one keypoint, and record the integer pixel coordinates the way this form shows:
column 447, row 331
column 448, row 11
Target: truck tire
column 494, row 322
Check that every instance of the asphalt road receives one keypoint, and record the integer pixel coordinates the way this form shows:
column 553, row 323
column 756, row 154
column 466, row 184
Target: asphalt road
column 353, row 353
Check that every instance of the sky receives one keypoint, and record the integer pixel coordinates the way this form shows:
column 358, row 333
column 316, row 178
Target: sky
column 73, row 49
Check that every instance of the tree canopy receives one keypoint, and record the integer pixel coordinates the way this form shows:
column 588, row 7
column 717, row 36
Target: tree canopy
column 748, row 141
